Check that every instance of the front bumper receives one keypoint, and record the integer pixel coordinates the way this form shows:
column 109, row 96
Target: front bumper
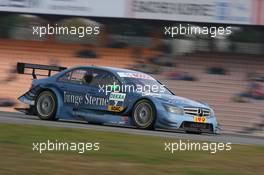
column 185, row 122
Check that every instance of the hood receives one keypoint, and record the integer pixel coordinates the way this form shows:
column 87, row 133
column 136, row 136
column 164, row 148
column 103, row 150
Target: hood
column 179, row 101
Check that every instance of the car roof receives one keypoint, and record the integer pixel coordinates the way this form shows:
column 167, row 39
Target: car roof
column 113, row 70
column 110, row 69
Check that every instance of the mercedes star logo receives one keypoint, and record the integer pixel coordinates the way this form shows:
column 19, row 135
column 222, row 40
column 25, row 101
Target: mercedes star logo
column 200, row 112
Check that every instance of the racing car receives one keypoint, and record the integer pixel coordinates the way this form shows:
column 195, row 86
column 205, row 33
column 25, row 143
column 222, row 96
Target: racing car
column 112, row 96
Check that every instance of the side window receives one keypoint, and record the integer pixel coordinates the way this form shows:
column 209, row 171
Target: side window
column 66, row 76
column 75, row 76
column 103, row 78
column 95, row 78
column 78, row 75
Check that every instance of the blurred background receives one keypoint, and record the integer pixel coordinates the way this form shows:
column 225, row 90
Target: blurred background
column 227, row 72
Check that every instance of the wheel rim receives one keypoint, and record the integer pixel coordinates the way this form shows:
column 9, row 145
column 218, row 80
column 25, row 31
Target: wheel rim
column 45, row 105
column 143, row 114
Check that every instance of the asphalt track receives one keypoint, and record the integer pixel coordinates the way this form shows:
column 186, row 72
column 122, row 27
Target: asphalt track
column 18, row 118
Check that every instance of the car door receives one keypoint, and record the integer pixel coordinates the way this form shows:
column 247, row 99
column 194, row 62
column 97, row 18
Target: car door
column 73, row 88
column 101, row 87
column 93, row 93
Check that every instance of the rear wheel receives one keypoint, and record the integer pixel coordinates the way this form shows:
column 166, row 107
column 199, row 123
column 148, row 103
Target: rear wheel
column 144, row 114
column 46, row 105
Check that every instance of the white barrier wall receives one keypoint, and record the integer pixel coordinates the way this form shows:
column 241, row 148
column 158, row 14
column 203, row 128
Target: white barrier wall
column 213, row 11
column 102, row 8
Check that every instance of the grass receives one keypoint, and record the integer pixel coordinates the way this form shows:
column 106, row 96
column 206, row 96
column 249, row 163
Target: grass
column 118, row 154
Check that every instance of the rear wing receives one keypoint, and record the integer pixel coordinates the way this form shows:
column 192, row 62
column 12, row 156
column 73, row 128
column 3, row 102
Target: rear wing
column 21, row 69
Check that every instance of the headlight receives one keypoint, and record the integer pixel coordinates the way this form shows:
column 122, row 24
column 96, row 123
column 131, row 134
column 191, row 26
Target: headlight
column 174, row 109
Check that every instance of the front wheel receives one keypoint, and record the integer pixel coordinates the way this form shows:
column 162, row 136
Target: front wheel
column 144, row 114
column 46, row 105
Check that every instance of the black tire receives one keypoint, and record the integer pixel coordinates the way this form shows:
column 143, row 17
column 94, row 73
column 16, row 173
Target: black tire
column 144, row 114
column 31, row 110
column 46, row 105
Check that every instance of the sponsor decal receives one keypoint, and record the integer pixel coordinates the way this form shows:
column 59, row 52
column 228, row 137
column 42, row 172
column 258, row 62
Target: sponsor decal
column 212, row 11
column 117, row 97
column 20, row 3
column 66, row 7
column 156, row 95
column 171, row 7
column 233, row 11
column 135, row 75
column 115, row 108
column 86, row 99
column 200, row 119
